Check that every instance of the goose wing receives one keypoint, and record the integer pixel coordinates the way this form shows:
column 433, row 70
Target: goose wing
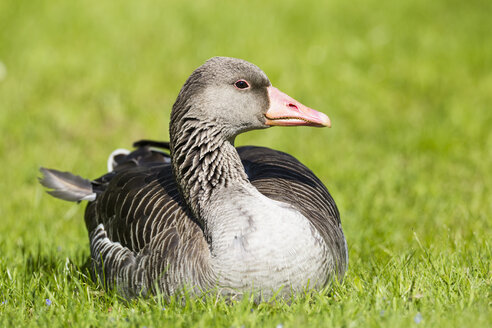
column 139, row 229
column 140, row 200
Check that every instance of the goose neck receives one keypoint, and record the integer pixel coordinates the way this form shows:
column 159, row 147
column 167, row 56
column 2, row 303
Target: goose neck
column 204, row 161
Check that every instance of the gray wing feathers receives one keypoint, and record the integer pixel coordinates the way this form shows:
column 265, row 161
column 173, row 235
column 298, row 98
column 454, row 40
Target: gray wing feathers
column 142, row 238
column 116, row 265
column 66, row 185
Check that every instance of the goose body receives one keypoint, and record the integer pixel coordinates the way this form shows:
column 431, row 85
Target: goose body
column 209, row 215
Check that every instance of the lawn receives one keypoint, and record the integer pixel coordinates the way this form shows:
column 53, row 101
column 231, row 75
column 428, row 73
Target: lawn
column 407, row 85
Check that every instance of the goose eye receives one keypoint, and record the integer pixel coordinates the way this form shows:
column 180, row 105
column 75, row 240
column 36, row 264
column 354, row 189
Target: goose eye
column 241, row 84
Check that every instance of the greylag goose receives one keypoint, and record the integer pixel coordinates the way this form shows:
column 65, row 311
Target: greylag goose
column 209, row 216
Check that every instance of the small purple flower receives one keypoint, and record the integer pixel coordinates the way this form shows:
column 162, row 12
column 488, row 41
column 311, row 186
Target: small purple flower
column 280, row 325
column 48, row 302
column 381, row 313
column 418, row 318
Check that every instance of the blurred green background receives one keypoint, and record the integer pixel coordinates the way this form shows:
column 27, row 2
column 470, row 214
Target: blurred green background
column 407, row 85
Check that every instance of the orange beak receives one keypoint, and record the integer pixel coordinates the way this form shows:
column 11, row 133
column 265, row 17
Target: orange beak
column 287, row 111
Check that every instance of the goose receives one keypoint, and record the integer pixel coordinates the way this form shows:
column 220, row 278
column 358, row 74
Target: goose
column 197, row 214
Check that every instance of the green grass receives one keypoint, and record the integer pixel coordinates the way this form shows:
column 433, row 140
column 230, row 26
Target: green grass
column 407, row 84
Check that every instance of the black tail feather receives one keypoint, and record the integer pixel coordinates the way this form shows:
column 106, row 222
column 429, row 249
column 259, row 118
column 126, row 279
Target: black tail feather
column 151, row 143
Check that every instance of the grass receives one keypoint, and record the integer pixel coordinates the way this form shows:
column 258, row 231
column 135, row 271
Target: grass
column 407, row 85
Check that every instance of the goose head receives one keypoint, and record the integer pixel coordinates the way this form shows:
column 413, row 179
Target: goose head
column 221, row 99
column 235, row 96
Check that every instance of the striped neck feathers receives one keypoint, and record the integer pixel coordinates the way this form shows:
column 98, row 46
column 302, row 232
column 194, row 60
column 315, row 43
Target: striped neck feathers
column 203, row 159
